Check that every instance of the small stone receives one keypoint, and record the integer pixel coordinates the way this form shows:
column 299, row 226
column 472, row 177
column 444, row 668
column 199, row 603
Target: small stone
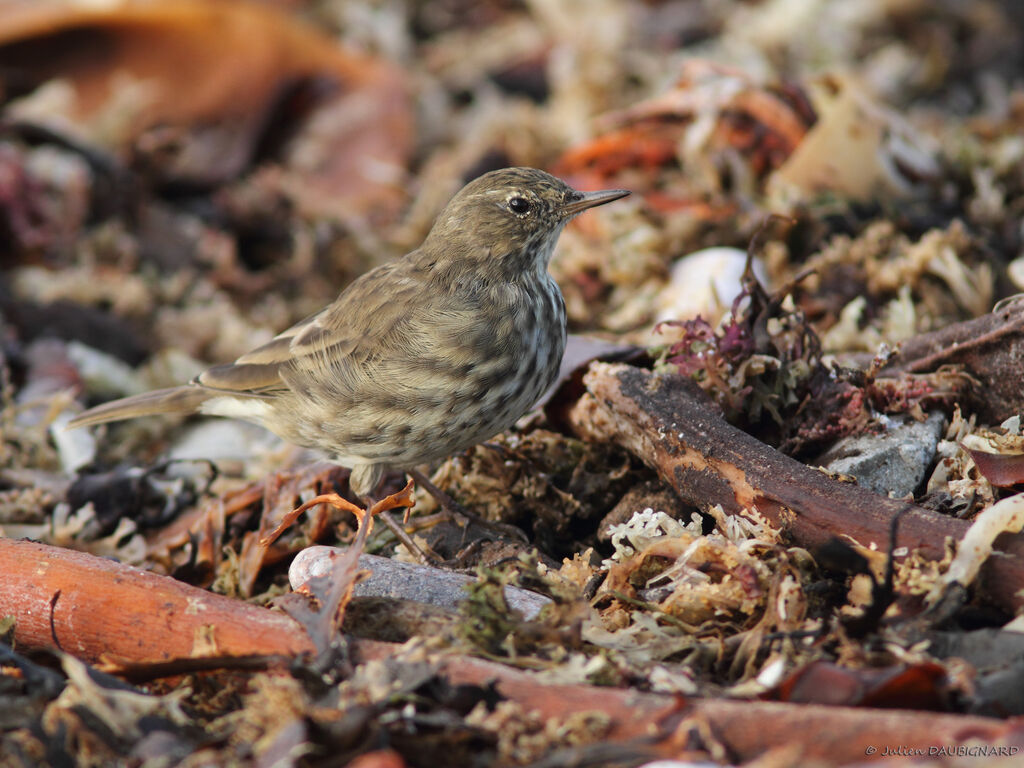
column 405, row 581
column 893, row 463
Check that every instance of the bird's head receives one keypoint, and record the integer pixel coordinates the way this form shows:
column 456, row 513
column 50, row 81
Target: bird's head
column 508, row 221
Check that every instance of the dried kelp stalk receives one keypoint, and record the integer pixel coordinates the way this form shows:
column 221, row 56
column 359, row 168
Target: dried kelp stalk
column 668, row 423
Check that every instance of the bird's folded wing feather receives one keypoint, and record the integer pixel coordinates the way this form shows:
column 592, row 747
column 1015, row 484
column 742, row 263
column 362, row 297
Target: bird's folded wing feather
column 259, row 371
column 337, row 337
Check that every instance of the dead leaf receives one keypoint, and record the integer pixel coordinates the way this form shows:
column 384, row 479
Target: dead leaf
column 917, row 686
column 193, row 85
column 857, row 149
column 711, row 113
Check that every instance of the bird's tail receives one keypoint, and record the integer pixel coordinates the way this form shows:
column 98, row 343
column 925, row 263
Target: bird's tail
column 186, row 399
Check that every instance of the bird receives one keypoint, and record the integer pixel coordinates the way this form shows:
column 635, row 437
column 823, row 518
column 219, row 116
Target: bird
column 419, row 358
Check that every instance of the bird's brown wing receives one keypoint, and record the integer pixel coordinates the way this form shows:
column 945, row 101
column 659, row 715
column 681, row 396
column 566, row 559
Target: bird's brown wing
column 257, row 372
column 324, row 355
column 373, row 322
column 364, row 321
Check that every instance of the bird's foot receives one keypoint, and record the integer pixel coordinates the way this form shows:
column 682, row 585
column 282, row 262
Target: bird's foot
column 373, row 509
column 422, row 556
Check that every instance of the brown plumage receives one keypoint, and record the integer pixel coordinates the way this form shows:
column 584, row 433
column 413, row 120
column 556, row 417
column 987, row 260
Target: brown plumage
column 416, row 359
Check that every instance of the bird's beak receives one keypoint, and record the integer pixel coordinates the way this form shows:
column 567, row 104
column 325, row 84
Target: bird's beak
column 591, row 199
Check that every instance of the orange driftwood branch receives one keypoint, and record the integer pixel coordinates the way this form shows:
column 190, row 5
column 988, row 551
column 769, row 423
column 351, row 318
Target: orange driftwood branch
column 101, row 610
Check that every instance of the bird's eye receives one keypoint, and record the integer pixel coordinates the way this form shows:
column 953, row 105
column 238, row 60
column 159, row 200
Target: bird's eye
column 519, row 205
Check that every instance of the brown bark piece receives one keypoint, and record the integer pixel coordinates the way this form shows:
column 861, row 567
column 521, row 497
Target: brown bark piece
column 96, row 608
column 670, row 425
column 219, row 69
column 990, row 348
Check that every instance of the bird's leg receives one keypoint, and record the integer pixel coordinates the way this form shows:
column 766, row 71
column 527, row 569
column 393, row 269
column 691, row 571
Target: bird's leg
column 404, row 538
column 365, row 482
column 446, row 502
column 452, row 508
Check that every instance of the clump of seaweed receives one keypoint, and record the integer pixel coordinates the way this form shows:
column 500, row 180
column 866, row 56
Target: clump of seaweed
column 758, row 364
column 764, row 366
